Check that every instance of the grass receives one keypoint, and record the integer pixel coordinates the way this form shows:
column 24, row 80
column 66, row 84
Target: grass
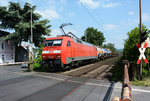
column 144, row 82
column 117, row 71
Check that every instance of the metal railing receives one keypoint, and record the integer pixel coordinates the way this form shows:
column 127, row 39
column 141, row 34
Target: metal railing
column 14, row 63
column 126, row 88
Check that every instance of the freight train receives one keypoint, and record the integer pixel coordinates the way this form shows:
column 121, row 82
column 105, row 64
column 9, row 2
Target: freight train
column 65, row 51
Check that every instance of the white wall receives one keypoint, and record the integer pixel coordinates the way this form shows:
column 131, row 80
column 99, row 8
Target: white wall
column 8, row 51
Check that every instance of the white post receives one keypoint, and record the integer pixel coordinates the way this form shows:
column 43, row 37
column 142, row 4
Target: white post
column 32, row 52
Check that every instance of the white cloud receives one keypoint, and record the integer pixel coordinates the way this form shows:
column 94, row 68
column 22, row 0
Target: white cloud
column 129, row 1
column 50, row 14
column 109, row 26
column 131, row 13
column 61, row 8
column 91, row 3
column 71, row 14
column 128, row 23
column 97, row 3
column 136, row 21
column 145, row 17
column 4, row 3
column 108, row 5
column 63, row 1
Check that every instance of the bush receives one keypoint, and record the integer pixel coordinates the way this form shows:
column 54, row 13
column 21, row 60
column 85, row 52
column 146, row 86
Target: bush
column 145, row 72
column 37, row 65
column 37, row 61
column 132, row 54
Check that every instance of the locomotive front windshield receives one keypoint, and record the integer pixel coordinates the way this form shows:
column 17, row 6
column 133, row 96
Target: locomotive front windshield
column 53, row 42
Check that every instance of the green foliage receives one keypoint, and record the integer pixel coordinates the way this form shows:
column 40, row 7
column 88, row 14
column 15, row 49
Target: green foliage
column 110, row 46
column 37, row 65
column 93, row 36
column 131, row 51
column 145, row 72
column 15, row 17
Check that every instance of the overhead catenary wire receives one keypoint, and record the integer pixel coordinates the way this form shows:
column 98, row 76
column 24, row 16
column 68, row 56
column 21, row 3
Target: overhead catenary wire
column 59, row 21
column 118, row 41
column 96, row 21
column 44, row 13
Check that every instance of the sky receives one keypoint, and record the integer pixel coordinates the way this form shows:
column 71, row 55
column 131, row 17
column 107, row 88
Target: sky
column 112, row 17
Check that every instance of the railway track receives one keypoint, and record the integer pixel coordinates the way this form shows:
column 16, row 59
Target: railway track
column 93, row 71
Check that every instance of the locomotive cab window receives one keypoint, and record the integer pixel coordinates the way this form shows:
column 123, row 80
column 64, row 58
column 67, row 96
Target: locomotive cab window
column 68, row 44
column 56, row 42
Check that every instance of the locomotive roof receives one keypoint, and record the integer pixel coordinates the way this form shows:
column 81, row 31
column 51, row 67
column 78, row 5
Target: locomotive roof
column 3, row 33
column 60, row 37
column 75, row 40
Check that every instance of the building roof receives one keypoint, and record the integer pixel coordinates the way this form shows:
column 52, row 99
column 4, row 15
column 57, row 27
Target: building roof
column 3, row 33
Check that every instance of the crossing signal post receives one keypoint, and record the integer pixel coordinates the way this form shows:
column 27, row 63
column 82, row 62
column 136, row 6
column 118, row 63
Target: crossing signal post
column 143, row 36
column 142, row 47
column 142, row 40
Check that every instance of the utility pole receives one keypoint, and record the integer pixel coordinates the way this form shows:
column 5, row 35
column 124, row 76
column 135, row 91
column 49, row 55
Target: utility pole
column 140, row 68
column 31, row 39
column 140, row 18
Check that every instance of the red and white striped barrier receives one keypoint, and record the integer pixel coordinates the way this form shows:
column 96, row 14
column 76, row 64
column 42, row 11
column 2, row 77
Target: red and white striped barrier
column 116, row 99
column 15, row 63
column 142, row 50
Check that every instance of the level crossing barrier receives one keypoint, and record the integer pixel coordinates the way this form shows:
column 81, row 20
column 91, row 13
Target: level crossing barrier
column 29, row 63
column 126, row 88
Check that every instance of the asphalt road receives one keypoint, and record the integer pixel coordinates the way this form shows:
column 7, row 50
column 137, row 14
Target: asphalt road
column 16, row 85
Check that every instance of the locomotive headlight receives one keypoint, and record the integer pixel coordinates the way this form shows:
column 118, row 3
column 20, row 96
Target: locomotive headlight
column 44, row 56
column 58, row 56
column 56, row 51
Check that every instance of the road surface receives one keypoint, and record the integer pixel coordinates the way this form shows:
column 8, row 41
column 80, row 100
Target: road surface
column 17, row 85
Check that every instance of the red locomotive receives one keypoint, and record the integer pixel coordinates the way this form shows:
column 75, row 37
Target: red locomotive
column 64, row 51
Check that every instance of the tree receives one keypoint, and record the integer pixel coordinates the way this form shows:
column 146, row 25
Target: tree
column 131, row 52
column 130, row 49
column 110, row 46
column 93, row 36
column 17, row 18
